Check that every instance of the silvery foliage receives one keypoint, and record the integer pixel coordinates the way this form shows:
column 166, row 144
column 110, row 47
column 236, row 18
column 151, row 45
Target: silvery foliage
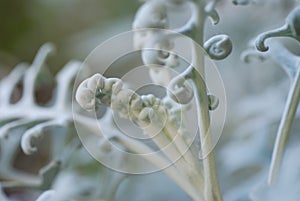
column 62, row 178
column 162, row 116
column 70, row 174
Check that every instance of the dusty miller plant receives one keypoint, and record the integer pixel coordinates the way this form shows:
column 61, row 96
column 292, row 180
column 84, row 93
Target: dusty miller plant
column 68, row 176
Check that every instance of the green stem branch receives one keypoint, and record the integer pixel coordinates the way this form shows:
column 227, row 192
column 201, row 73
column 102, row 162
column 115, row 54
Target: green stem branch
column 211, row 190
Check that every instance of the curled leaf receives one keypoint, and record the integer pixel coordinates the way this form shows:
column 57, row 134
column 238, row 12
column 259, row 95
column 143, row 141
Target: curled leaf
column 179, row 89
column 290, row 29
column 35, row 132
column 192, row 22
column 212, row 13
column 218, row 47
column 213, row 102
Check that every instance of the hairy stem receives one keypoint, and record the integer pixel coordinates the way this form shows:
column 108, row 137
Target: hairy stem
column 211, row 189
column 183, row 148
column 159, row 161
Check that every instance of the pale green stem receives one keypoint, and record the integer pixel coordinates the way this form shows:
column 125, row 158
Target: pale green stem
column 112, row 184
column 160, row 162
column 170, row 149
column 140, row 148
column 285, row 128
column 191, row 171
column 194, row 173
column 211, row 190
column 182, row 146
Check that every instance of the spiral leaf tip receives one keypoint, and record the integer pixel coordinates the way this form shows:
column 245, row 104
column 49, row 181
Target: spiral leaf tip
column 218, row 47
column 260, row 43
column 213, row 102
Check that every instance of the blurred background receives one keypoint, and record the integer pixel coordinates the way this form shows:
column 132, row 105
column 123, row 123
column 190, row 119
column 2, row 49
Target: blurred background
column 256, row 92
column 76, row 27
column 26, row 25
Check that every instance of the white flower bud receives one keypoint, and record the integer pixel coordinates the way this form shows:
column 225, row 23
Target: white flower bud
column 86, row 91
